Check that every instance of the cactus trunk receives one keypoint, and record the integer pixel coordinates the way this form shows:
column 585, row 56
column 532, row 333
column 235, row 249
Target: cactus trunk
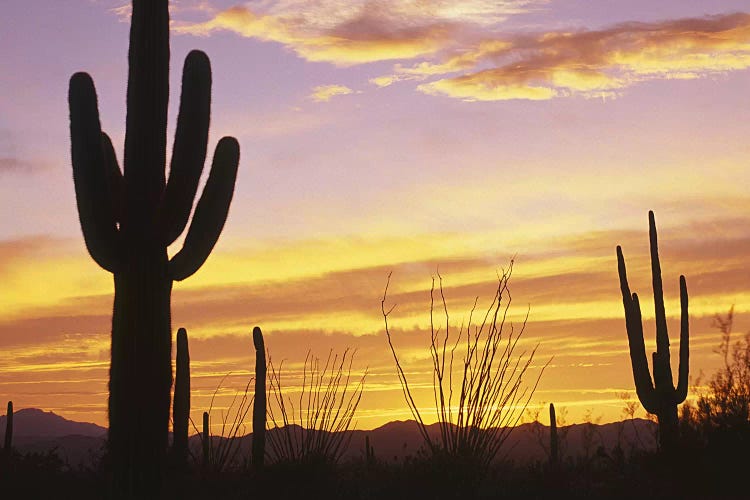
column 140, row 373
column 259, row 403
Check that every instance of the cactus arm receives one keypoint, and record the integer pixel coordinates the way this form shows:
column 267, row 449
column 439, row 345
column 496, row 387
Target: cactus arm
column 662, row 338
column 634, row 326
column 644, row 385
column 189, row 151
column 114, row 179
column 210, row 212
column 146, row 124
column 682, row 381
column 90, row 174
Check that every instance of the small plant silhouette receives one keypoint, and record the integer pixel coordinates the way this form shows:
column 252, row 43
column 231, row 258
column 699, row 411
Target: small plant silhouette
column 315, row 432
column 221, row 452
column 8, row 442
column 259, row 401
column 181, row 406
column 659, row 396
column 489, row 380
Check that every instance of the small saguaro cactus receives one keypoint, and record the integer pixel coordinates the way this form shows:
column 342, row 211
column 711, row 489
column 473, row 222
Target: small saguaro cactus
column 659, row 396
column 259, row 403
column 181, row 406
column 8, row 428
column 130, row 217
column 369, row 452
column 553, row 444
column 206, row 441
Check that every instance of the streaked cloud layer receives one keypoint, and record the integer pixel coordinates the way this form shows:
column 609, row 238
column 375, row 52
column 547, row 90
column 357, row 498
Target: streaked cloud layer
column 570, row 290
column 360, row 157
column 470, row 41
column 596, row 63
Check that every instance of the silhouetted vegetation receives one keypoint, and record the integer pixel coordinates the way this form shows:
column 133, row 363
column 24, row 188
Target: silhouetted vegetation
column 130, row 217
column 488, row 385
column 659, row 396
column 259, row 401
column 314, row 432
column 181, row 406
column 8, row 440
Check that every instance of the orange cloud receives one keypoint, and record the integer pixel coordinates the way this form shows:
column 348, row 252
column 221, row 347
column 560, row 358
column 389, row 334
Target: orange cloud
column 569, row 282
column 598, row 63
column 363, row 38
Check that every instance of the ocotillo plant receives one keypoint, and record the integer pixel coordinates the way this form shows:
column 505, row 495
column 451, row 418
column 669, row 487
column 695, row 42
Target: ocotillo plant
column 181, row 406
column 8, row 428
column 129, row 219
column 259, row 403
column 659, row 396
column 553, row 444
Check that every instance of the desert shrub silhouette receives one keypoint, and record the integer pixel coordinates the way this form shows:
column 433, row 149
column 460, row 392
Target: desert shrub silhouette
column 222, row 451
column 726, row 407
column 488, row 379
column 314, row 432
column 717, row 424
column 129, row 219
column 659, row 396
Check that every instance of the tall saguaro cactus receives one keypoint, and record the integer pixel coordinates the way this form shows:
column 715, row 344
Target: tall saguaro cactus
column 129, row 219
column 259, row 403
column 659, row 396
column 181, row 406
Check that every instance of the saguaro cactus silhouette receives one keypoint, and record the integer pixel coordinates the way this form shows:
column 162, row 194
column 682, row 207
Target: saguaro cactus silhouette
column 259, row 403
column 659, row 396
column 206, row 441
column 130, row 218
column 8, row 428
column 553, row 444
column 181, row 406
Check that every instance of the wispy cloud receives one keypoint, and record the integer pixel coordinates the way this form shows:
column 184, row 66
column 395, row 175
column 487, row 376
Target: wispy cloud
column 13, row 165
column 324, row 93
column 467, row 40
column 597, row 63
column 347, row 33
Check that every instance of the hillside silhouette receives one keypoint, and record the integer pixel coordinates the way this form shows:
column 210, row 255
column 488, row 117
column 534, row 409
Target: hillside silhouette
column 395, row 442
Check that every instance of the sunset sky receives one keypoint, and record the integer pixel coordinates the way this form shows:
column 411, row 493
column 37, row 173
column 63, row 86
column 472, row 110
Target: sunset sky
column 403, row 137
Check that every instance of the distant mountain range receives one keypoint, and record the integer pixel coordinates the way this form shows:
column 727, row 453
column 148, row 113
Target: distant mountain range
column 79, row 443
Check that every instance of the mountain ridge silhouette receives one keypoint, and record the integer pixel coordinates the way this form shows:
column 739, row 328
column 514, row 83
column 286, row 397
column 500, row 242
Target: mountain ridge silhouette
column 396, row 441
